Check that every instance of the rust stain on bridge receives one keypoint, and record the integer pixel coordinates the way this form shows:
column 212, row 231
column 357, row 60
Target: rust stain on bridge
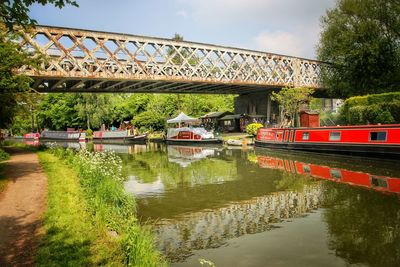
column 92, row 61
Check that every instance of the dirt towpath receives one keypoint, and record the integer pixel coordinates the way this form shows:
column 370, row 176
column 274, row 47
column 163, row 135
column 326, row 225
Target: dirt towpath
column 21, row 208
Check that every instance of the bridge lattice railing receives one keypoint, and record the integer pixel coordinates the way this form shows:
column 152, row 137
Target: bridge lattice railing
column 82, row 54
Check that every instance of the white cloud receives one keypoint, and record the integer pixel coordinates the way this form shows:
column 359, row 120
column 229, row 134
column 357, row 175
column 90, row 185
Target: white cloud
column 281, row 26
column 182, row 13
column 279, row 42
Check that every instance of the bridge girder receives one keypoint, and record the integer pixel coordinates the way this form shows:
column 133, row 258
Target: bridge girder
column 92, row 61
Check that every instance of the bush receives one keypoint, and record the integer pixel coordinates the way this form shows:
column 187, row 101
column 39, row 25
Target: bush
column 372, row 109
column 252, row 128
column 89, row 133
column 4, row 155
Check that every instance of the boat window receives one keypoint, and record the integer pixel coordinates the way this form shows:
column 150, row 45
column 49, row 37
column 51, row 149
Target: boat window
column 336, row 174
column 305, row 136
column 306, row 168
column 334, row 136
column 378, row 182
column 377, row 136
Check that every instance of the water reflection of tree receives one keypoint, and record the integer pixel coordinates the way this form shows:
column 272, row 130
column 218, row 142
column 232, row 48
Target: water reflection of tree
column 149, row 166
column 363, row 225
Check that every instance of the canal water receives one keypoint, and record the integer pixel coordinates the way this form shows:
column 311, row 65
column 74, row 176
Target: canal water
column 260, row 207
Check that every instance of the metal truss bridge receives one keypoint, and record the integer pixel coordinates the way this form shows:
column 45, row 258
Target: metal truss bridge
column 92, row 61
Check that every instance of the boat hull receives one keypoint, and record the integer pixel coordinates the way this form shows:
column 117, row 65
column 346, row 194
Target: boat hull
column 141, row 139
column 385, row 151
column 193, row 142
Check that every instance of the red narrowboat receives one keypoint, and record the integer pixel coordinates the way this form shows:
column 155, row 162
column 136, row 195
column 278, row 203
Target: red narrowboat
column 31, row 136
column 356, row 178
column 366, row 140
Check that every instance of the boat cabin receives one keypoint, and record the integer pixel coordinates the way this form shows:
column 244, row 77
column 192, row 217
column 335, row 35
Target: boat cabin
column 376, row 139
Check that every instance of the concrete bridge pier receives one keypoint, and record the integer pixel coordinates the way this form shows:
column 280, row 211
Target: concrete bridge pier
column 257, row 104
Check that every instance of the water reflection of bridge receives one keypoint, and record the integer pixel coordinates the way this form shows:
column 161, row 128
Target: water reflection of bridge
column 211, row 228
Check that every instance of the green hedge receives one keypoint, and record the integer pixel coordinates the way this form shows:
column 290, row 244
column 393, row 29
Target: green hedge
column 372, row 109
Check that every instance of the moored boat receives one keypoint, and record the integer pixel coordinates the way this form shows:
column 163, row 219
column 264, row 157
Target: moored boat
column 366, row 140
column 190, row 134
column 31, row 136
column 125, row 136
column 63, row 135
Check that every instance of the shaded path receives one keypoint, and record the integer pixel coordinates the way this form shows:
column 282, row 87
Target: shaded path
column 21, row 207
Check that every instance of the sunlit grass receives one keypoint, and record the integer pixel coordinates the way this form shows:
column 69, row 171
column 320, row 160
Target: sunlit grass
column 3, row 179
column 71, row 235
column 100, row 182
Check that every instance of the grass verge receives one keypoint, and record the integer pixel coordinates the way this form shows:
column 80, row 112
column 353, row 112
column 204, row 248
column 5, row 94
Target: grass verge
column 109, row 208
column 3, row 179
column 72, row 237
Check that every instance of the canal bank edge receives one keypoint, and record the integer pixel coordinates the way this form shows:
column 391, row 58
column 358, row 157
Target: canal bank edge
column 98, row 234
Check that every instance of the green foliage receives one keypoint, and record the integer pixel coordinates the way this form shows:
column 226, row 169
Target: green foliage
column 380, row 108
column 90, row 111
column 89, row 133
column 149, row 121
column 361, row 39
column 100, row 175
column 58, row 111
column 252, row 128
column 16, row 12
column 12, row 86
column 94, row 108
column 291, row 99
column 72, row 237
column 3, row 155
column 3, row 179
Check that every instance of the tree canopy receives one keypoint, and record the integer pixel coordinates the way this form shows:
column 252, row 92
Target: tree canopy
column 13, row 86
column 16, row 12
column 361, row 38
column 290, row 101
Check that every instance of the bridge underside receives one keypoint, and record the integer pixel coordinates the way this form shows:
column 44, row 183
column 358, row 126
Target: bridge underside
column 51, row 84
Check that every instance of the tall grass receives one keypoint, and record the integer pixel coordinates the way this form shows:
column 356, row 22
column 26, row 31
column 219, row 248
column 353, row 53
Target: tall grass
column 100, row 175
column 72, row 238
column 3, row 179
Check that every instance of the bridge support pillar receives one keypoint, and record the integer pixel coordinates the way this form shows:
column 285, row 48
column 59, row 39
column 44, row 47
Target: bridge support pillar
column 257, row 104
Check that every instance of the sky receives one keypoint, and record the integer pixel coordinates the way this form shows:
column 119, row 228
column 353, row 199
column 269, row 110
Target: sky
column 288, row 27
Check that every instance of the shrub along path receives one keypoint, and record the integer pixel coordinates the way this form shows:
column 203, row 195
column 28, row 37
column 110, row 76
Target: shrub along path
column 21, row 208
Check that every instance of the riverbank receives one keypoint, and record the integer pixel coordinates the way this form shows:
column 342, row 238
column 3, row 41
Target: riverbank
column 71, row 236
column 91, row 220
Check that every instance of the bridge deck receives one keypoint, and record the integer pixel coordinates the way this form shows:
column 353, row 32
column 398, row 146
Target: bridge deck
column 84, row 61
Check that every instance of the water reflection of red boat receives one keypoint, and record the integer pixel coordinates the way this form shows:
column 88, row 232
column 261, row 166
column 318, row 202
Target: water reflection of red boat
column 383, row 140
column 376, row 182
column 30, row 142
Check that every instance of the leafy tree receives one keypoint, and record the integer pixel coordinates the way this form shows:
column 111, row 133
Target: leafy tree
column 291, row 100
column 12, row 56
column 149, row 121
column 124, row 106
column 16, row 12
column 361, row 38
column 93, row 108
column 58, row 111
column 12, row 86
